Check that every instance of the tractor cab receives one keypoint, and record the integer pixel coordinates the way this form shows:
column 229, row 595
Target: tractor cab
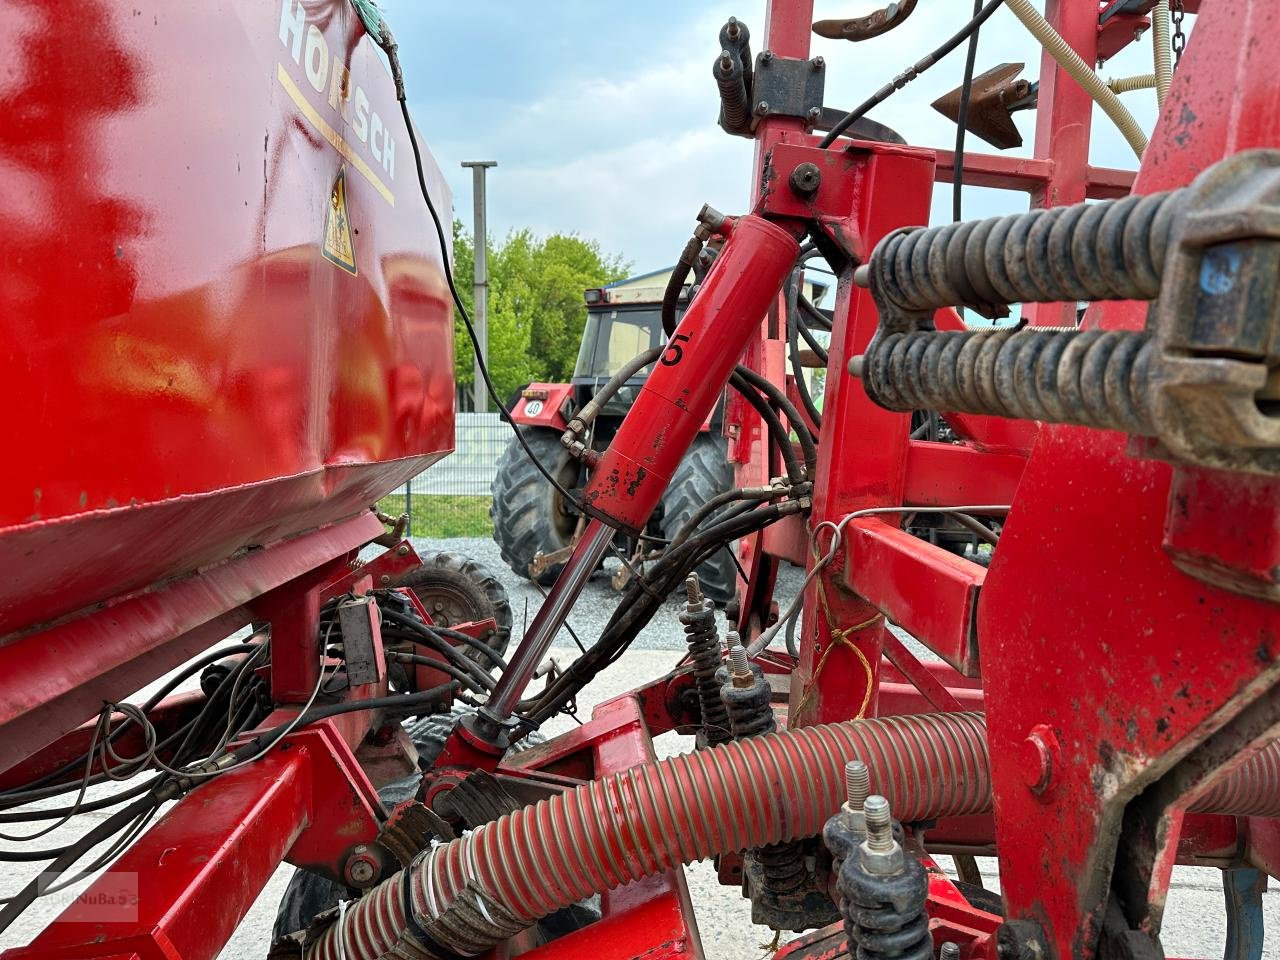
column 616, row 330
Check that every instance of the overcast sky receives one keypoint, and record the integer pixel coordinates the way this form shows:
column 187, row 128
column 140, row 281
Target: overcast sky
column 601, row 115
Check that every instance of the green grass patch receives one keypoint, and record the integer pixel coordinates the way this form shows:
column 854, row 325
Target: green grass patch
column 441, row 517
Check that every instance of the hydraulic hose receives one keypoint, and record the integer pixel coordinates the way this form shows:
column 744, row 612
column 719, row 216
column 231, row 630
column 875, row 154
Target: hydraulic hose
column 579, row 422
column 1161, row 51
column 1141, row 81
column 1079, row 71
column 675, row 283
column 474, row 892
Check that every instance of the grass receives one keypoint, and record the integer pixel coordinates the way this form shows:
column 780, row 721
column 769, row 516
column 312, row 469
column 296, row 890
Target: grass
column 441, row 517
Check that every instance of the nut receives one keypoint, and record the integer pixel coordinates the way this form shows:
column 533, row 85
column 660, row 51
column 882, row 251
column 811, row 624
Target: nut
column 880, row 853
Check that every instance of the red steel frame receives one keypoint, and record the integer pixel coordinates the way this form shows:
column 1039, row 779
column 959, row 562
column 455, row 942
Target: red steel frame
column 1162, row 672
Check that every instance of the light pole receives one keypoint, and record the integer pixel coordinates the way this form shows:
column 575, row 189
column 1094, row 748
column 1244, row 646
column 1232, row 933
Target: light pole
column 481, row 275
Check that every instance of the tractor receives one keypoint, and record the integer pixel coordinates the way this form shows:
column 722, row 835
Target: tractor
column 533, row 523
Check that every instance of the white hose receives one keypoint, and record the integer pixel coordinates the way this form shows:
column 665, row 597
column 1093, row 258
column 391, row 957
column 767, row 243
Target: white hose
column 1141, row 81
column 1079, row 71
column 1160, row 48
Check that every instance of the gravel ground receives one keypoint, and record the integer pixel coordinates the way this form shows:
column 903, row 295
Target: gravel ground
column 598, row 601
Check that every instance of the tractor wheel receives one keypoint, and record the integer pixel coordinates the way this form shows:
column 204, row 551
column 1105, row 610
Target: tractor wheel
column 529, row 515
column 704, row 473
column 456, row 589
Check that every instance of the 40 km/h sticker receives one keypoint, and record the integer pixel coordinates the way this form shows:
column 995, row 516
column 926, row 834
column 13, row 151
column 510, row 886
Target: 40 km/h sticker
column 338, row 246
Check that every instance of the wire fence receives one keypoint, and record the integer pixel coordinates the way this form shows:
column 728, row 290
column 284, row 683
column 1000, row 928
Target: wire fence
column 451, row 499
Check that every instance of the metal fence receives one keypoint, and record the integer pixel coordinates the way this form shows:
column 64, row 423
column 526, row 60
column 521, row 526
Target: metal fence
column 468, row 471
column 451, row 498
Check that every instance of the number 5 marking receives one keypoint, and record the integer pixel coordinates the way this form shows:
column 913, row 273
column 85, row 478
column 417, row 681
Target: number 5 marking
column 674, row 352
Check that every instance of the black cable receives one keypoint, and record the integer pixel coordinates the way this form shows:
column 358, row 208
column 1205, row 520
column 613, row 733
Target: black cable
column 902, row 79
column 714, row 504
column 55, row 813
column 186, row 673
column 818, row 349
column 814, row 314
column 474, row 643
column 777, row 430
column 779, row 397
column 118, row 821
column 398, row 702
column 637, row 605
column 793, row 346
column 481, row 365
column 409, row 626
column 460, row 675
column 188, row 731
column 966, row 89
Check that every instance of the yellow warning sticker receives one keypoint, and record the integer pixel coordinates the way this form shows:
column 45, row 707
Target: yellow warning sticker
column 338, row 246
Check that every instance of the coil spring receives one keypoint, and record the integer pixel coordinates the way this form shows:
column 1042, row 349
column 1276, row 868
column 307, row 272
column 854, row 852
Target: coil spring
column 1104, row 251
column 731, row 82
column 750, row 713
column 1094, row 378
column 782, row 865
column 783, row 868
column 884, row 917
column 704, row 652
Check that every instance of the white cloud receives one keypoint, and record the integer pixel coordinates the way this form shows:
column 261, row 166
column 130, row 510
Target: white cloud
column 627, row 159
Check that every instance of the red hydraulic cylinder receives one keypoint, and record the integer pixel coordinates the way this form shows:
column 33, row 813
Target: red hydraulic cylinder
column 679, row 395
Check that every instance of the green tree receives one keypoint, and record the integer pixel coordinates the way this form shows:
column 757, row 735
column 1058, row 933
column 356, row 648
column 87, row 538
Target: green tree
column 536, row 313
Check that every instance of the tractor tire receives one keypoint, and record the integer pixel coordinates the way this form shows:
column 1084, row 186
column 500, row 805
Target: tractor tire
column 455, row 589
column 704, row 473
column 529, row 515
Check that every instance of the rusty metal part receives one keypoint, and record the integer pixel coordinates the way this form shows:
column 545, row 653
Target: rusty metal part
column 735, row 113
column 410, row 829
column 542, row 562
column 477, row 798
column 993, row 98
column 873, row 24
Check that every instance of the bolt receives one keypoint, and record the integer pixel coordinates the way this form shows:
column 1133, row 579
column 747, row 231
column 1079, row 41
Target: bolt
column 855, row 366
column 815, row 114
column 361, row 867
column 762, row 108
column 949, row 951
column 879, row 823
column 726, row 61
column 817, row 63
column 384, row 579
column 766, row 58
column 805, row 180
column 439, row 605
column 857, row 784
column 694, row 590
column 881, row 854
column 1036, row 758
column 403, row 550
column 739, row 666
column 732, row 29
column 862, row 275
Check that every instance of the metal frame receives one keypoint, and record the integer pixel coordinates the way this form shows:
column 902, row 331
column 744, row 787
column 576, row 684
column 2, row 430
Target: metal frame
column 1089, row 788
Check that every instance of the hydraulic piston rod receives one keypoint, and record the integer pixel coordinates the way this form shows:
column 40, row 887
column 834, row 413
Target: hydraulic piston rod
column 675, row 401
